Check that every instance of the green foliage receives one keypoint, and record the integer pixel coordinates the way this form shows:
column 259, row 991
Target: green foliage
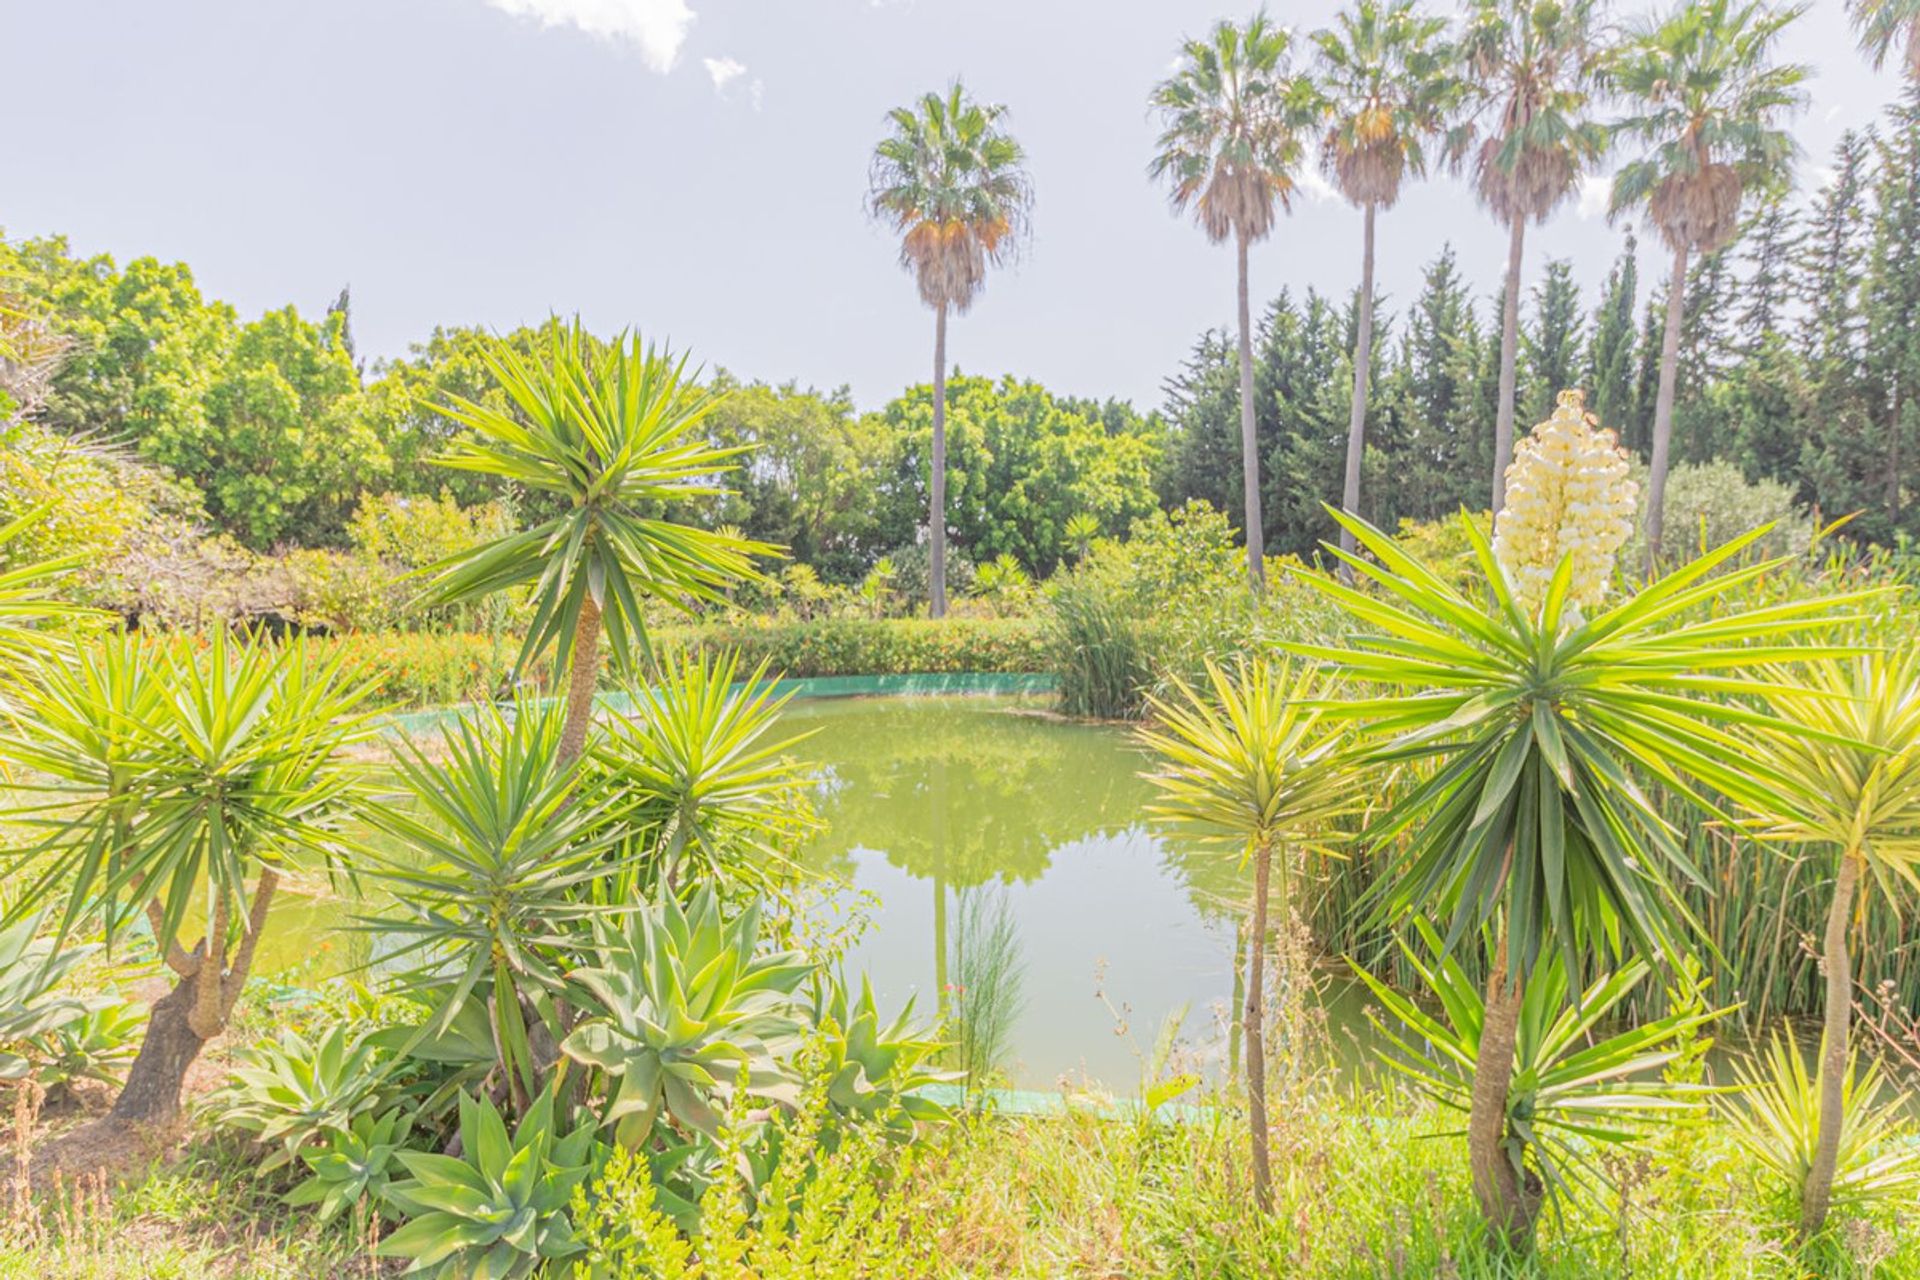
column 98, row 1045
column 1020, row 465
column 870, row 1069
column 352, row 1167
column 1776, row 1116
column 1710, row 504
column 680, row 1001
column 1097, row 649
column 293, row 1093
column 614, row 437
column 500, row 1208
column 1577, row 1087
column 861, row 646
column 31, row 1006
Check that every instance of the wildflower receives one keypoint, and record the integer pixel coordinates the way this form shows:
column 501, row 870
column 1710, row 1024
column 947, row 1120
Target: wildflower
column 1568, row 497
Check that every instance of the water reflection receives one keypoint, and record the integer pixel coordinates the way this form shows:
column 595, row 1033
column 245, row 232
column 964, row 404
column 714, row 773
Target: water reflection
column 926, row 799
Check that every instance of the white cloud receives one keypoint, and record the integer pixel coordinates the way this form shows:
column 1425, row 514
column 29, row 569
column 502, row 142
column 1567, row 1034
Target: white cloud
column 1314, row 186
column 656, row 27
column 1596, row 192
column 724, row 71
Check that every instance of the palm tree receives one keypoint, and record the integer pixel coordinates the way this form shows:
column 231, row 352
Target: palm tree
column 1880, row 23
column 1848, row 762
column 1390, row 88
column 1518, row 731
column 1233, row 114
column 1706, row 100
column 1254, row 767
column 1537, row 64
column 954, row 184
column 613, row 434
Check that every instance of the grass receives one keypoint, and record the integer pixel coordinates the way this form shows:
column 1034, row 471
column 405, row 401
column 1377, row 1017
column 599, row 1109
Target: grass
column 1368, row 1185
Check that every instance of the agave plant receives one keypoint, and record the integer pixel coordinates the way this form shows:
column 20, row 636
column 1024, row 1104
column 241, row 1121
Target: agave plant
column 682, row 1005
column 872, row 1069
column 1777, row 1116
column 1574, row 1087
column 713, row 798
column 293, row 1092
column 31, row 971
column 352, row 1166
column 499, row 1209
column 96, row 1045
column 497, row 844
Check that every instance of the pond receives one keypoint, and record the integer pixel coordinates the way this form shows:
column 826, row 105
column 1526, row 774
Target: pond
column 953, row 816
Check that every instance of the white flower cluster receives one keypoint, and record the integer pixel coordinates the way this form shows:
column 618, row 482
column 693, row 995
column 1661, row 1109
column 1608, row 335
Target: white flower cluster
column 1567, row 496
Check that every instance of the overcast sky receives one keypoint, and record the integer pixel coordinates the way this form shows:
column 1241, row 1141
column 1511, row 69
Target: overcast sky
column 694, row 168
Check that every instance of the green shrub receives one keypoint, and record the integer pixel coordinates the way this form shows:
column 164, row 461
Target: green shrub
column 425, row 669
column 871, row 646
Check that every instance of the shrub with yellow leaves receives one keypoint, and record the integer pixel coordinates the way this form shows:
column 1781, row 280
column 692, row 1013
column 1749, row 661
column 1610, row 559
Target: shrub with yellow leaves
column 1568, row 497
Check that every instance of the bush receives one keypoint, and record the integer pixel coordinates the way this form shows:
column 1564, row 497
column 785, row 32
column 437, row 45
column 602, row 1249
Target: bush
column 423, row 669
column 872, row 646
column 1711, row 503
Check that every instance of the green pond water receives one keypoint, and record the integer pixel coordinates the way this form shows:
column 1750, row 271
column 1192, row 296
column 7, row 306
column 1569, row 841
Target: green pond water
column 944, row 810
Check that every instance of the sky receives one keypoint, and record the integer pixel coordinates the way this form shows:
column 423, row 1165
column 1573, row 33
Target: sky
column 696, row 169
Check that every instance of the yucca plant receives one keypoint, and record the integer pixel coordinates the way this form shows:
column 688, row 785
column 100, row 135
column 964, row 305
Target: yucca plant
column 1521, row 734
column 171, row 777
column 1575, row 1087
column 680, row 1005
column 1844, row 757
column 1252, row 766
column 497, row 845
column 1779, row 1116
column 499, row 1209
column 712, row 796
column 613, row 436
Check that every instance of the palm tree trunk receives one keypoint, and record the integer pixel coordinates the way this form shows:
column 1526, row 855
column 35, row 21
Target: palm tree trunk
column 937, row 513
column 1362, row 369
column 583, row 678
column 1509, row 362
column 1249, row 444
column 1253, row 1030
column 1663, row 409
column 1504, row 1202
column 1818, row 1192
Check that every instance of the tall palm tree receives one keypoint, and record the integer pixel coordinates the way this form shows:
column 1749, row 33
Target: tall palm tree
column 1537, row 64
column 954, row 184
column 613, row 434
column 1706, row 100
column 1848, row 771
column 1233, row 114
column 1881, row 23
column 1521, row 730
column 1254, row 767
column 1390, row 87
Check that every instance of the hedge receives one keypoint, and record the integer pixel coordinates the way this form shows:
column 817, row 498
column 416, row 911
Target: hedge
column 423, row 669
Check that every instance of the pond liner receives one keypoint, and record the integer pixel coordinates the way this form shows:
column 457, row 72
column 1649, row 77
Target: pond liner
column 908, row 684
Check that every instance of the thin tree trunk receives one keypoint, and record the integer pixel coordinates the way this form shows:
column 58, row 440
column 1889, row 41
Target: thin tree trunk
column 1237, row 1024
column 1663, row 410
column 1253, row 1031
column 1509, row 362
column 1362, row 368
column 1818, row 1192
column 937, row 513
column 1893, row 458
column 583, row 678
column 1503, row 1200
column 1249, row 443
column 182, row 1022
